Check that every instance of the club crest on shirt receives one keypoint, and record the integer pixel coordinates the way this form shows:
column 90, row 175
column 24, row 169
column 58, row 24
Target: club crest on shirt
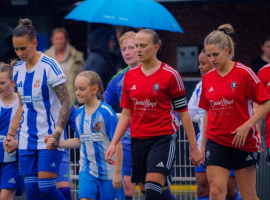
column 97, row 125
column 233, row 85
column 37, row 83
column 156, row 87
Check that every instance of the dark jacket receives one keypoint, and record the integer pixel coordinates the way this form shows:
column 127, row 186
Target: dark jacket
column 99, row 58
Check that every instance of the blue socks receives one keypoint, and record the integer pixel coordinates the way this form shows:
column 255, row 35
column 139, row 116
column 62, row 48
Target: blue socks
column 66, row 191
column 237, row 196
column 203, row 198
column 47, row 188
column 31, row 186
column 167, row 194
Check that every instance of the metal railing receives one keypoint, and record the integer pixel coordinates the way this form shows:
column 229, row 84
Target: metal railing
column 184, row 183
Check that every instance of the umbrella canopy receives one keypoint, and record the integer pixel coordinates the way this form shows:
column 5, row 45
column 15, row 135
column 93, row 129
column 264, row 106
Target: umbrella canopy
column 134, row 13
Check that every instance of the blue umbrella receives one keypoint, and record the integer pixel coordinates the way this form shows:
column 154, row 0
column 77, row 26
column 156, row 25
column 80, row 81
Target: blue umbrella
column 134, row 13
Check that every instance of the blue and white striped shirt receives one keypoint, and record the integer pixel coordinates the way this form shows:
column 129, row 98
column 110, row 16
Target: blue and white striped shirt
column 96, row 132
column 41, row 105
column 7, row 113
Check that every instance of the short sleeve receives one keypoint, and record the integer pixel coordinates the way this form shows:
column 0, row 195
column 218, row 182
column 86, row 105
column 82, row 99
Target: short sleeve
column 110, row 95
column 77, row 135
column 125, row 99
column 255, row 90
column 111, row 123
column 55, row 76
column 193, row 104
column 203, row 103
column 71, row 119
column 262, row 76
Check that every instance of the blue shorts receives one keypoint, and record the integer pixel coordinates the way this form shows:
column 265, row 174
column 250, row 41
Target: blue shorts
column 127, row 163
column 94, row 188
column 201, row 169
column 34, row 161
column 10, row 178
column 63, row 174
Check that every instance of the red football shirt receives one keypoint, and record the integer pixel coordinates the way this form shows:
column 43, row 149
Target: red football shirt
column 149, row 98
column 264, row 76
column 229, row 102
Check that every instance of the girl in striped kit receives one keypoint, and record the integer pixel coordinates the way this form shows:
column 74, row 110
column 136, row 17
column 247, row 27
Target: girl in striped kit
column 95, row 125
column 10, row 180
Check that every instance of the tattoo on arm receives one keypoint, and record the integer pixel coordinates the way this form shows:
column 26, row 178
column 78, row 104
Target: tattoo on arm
column 62, row 94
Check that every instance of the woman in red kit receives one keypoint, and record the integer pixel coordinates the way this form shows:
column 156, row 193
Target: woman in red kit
column 264, row 76
column 228, row 92
column 151, row 93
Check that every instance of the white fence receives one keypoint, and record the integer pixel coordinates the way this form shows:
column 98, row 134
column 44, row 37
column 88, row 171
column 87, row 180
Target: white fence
column 183, row 186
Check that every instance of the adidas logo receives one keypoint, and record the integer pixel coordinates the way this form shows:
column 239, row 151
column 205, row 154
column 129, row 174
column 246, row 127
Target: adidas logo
column 268, row 84
column 133, row 87
column 53, row 165
column 12, row 181
column 160, row 164
column 211, row 89
column 66, row 175
column 249, row 158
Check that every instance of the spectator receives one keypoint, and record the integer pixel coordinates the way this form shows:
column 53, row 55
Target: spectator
column 264, row 59
column 99, row 58
column 71, row 60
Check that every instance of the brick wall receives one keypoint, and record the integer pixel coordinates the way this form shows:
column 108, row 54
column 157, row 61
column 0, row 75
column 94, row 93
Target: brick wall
column 251, row 21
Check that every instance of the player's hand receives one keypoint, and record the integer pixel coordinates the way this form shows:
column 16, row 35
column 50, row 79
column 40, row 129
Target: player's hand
column 117, row 180
column 240, row 135
column 109, row 153
column 52, row 141
column 196, row 157
column 202, row 152
column 10, row 144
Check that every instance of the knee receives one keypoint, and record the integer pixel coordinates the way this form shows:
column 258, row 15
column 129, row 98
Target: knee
column 202, row 189
column 216, row 192
column 129, row 189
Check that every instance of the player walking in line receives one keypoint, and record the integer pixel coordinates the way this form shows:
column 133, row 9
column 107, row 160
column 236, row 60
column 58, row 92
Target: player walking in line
column 95, row 125
column 264, row 76
column 112, row 95
column 151, row 92
column 228, row 123
column 46, row 107
column 10, row 180
column 196, row 112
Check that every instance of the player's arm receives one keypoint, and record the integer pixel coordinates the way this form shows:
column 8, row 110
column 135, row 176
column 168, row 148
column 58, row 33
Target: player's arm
column 118, row 159
column 121, row 128
column 10, row 145
column 195, row 154
column 68, row 144
column 62, row 94
column 242, row 131
column 205, row 121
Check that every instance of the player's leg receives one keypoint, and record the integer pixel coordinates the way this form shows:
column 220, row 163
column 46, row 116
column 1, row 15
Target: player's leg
column 29, row 170
column 129, row 187
column 158, row 167
column 166, row 191
column 218, row 163
column 217, row 178
column 232, row 193
column 11, row 181
column 88, row 186
column 48, row 168
column 245, row 170
column 63, row 179
column 139, row 154
column 202, row 183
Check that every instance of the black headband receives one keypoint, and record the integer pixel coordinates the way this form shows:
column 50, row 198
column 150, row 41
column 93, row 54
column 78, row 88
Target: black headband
column 223, row 30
